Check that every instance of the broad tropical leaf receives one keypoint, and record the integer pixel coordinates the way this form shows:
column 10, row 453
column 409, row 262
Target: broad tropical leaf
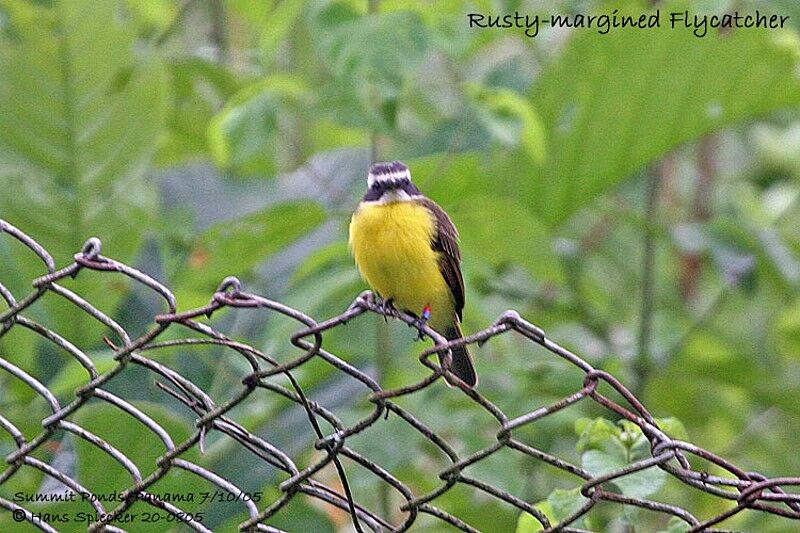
column 612, row 104
column 81, row 116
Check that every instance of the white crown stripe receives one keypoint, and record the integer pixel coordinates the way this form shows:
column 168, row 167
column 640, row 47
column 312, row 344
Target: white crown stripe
column 388, row 176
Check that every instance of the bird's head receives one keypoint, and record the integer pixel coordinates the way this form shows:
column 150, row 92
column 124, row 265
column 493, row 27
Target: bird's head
column 390, row 182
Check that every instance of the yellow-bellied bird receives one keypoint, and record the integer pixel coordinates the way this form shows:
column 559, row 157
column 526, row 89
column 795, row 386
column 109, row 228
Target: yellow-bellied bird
column 406, row 248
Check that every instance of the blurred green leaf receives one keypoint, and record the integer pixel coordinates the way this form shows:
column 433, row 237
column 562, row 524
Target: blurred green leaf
column 444, row 21
column 560, row 504
column 81, row 118
column 515, row 237
column 780, row 255
column 325, row 258
column 447, row 178
column 597, row 434
column 676, row 525
column 381, row 48
column 236, row 247
column 611, row 105
column 776, row 260
column 153, row 15
column 141, row 446
column 242, row 136
column 639, row 484
column 73, row 376
column 779, row 148
column 565, row 502
column 673, row 427
column 200, row 89
column 278, row 24
column 607, row 447
column 370, row 57
column 254, row 11
column 528, row 524
column 511, row 119
column 786, row 331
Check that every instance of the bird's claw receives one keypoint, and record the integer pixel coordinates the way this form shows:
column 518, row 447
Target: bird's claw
column 419, row 324
column 387, row 308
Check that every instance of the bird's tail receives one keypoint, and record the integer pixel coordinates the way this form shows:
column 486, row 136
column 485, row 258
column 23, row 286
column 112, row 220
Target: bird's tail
column 462, row 361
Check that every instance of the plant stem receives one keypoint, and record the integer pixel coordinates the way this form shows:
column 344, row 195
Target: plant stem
column 219, row 34
column 692, row 261
column 644, row 362
column 173, row 25
column 382, row 344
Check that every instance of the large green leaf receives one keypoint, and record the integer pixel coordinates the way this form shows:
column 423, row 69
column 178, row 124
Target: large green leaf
column 237, row 247
column 278, row 24
column 243, row 136
column 639, row 484
column 516, row 237
column 494, row 225
column 200, row 88
column 510, row 119
column 154, row 15
column 613, row 103
column 558, row 506
column 377, row 49
column 81, row 116
column 608, row 447
column 371, row 57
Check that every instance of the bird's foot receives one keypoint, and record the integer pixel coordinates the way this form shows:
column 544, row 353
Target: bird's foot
column 387, row 308
column 420, row 323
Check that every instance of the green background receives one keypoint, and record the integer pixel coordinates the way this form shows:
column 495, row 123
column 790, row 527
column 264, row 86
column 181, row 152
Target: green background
column 635, row 194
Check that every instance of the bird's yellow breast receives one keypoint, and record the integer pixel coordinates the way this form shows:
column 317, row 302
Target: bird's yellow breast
column 392, row 248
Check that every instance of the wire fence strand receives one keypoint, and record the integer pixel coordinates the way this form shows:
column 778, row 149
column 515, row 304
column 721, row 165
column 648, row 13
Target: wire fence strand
column 739, row 491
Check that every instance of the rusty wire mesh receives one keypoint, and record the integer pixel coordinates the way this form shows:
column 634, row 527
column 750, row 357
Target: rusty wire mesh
column 745, row 491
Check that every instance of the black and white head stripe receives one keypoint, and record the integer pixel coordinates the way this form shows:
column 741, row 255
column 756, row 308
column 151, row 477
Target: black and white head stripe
column 390, row 181
column 394, row 171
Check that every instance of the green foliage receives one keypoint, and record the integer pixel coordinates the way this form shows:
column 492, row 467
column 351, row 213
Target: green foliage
column 377, row 50
column 192, row 109
column 72, row 377
column 137, row 440
column 528, row 245
column 511, row 120
column 107, row 477
column 370, row 58
column 558, row 506
column 81, row 118
column 606, row 447
column 642, row 93
column 205, row 139
column 154, row 15
column 251, row 240
column 240, row 134
column 279, row 22
column 676, row 525
column 787, row 331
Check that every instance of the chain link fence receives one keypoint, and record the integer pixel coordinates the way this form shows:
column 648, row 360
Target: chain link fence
column 739, row 491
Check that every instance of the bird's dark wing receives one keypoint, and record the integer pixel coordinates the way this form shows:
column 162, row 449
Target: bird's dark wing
column 445, row 240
